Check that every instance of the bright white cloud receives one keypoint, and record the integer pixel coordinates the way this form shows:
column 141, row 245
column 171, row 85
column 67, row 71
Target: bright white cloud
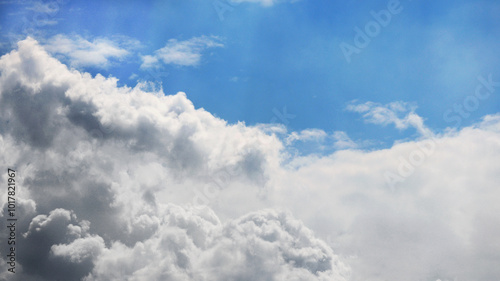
column 112, row 178
column 428, row 223
column 80, row 249
column 185, row 53
column 81, row 52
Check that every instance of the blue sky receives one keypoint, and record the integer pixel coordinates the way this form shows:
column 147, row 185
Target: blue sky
column 285, row 55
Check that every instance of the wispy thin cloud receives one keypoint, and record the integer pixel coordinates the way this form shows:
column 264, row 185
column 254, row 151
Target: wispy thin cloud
column 401, row 114
column 49, row 8
column 184, row 53
column 98, row 52
column 265, row 3
column 306, row 135
column 343, row 141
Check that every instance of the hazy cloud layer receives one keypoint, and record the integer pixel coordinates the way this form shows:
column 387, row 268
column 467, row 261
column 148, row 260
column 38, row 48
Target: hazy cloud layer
column 184, row 53
column 113, row 183
column 265, row 3
column 80, row 52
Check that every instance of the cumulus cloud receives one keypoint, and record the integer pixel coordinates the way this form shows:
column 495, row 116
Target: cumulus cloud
column 100, row 164
column 80, row 249
column 265, row 245
column 185, row 53
column 44, row 233
column 117, row 183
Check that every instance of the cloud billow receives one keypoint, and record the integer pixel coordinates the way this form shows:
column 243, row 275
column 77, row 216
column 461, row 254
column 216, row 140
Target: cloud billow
column 96, row 163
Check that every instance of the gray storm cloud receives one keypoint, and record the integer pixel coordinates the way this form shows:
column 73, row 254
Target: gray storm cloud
column 95, row 163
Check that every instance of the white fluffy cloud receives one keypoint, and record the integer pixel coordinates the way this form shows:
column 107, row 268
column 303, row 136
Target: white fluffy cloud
column 101, row 163
column 185, row 53
column 80, row 249
column 111, row 180
column 194, row 245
